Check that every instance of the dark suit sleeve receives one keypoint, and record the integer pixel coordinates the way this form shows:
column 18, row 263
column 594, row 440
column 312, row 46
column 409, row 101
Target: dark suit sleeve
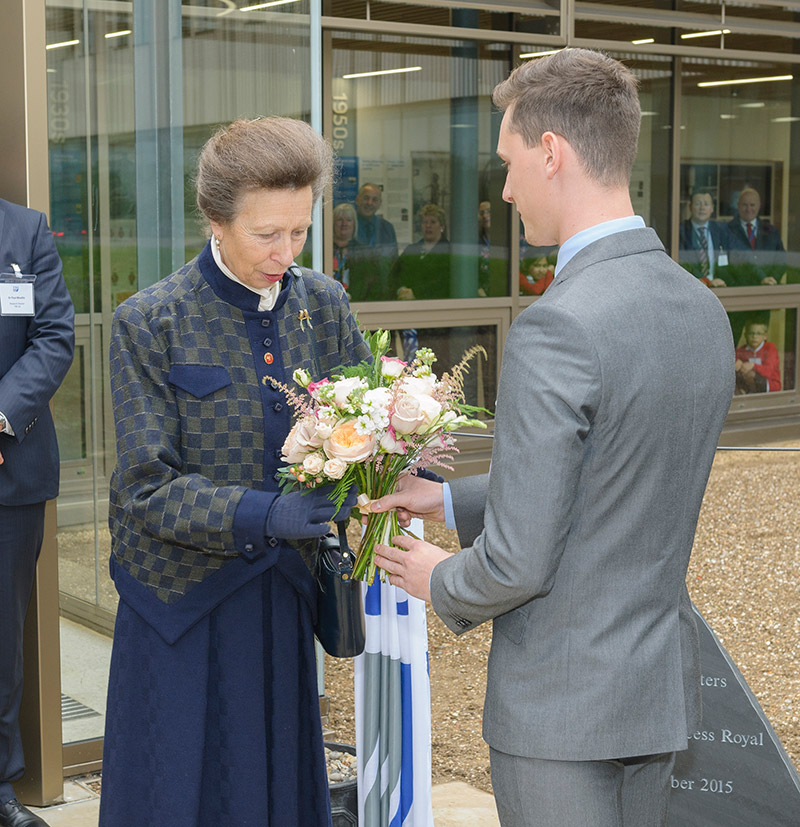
column 33, row 379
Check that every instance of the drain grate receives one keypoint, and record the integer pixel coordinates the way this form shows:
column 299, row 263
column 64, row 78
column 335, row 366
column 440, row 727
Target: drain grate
column 72, row 710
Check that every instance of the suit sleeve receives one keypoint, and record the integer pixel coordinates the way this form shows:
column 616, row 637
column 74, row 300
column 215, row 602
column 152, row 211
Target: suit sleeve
column 149, row 484
column 30, row 383
column 548, row 394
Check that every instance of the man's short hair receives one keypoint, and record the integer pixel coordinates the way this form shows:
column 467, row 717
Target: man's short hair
column 586, row 97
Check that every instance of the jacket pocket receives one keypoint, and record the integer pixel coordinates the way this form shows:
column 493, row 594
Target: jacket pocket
column 199, row 380
column 512, row 624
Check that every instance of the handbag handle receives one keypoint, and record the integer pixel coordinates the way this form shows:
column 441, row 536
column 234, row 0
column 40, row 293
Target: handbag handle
column 346, row 562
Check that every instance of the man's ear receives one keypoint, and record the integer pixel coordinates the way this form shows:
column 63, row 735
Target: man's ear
column 552, row 146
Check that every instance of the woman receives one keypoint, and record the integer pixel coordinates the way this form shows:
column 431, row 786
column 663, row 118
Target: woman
column 213, row 713
column 423, row 269
column 355, row 265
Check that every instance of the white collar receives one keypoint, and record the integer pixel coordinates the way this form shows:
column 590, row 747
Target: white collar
column 269, row 295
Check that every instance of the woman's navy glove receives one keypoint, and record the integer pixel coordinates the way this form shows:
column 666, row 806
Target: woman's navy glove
column 296, row 516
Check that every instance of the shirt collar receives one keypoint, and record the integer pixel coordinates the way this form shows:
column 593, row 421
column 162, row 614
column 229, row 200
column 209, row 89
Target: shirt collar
column 268, row 295
column 573, row 245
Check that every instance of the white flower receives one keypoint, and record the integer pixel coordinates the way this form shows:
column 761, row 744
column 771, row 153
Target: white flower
column 419, row 385
column 344, row 387
column 391, row 445
column 324, row 428
column 313, row 463
column 365, row 424
column 334, row 469
column 392, row 368
column 302, row 377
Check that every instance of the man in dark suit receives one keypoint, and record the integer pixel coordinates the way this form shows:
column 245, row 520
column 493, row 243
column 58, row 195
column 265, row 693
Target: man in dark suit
column 702, row 242
column 577, row 543
column 757, row 255
column 36, row 346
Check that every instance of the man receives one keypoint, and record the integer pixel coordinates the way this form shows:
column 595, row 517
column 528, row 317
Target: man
column 373, row 230
column 593, row 678
column 36, row 344
column 757, row 253
column 702, row 242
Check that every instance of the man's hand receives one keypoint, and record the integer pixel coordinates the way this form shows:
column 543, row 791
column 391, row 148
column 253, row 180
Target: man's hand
column 718, row 283
column 413, row 497
column 410, row 565
column 768, row 280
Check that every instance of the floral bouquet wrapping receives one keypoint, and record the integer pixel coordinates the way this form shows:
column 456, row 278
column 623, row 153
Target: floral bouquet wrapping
column 368, row 424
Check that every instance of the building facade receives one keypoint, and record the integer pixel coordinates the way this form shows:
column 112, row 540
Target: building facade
column 128, row 92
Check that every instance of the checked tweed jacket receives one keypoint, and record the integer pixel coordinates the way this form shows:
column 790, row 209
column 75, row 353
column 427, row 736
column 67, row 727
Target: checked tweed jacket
column 200, row 422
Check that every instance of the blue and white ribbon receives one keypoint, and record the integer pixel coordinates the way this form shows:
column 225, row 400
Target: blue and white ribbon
column 393, row 710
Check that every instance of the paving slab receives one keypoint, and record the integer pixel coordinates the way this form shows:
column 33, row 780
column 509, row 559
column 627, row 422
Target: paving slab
column 456, row 804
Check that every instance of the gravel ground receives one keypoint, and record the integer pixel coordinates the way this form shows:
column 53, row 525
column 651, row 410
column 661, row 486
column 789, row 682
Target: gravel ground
column 743, row 577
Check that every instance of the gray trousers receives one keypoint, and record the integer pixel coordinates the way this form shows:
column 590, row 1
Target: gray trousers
column 629, row 792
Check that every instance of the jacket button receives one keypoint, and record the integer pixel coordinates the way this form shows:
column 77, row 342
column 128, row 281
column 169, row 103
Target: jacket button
column 278, row 406
column 273, row 542
column 265, row 322
column 278, row 453
column 249, row 548
column 267, row 342
column 276, row 476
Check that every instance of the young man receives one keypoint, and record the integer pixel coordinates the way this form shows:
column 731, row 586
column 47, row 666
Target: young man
column 593, row 678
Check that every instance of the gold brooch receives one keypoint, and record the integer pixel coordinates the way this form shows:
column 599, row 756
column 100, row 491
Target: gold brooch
column 303, row 317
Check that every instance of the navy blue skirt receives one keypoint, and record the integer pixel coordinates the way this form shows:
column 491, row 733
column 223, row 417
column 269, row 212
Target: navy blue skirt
column 221, row 727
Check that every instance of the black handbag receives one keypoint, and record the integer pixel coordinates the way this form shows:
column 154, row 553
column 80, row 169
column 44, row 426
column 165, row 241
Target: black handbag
column 340, row 607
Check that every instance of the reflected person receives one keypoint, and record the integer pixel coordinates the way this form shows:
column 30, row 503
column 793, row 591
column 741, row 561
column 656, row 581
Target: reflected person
column 757, row 255
column 423, row 269
column 702, row 242
column 213, row 712
column 355, row 266
column 757, row 364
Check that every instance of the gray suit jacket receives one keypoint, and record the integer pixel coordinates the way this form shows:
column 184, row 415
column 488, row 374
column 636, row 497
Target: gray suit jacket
column 578, row 541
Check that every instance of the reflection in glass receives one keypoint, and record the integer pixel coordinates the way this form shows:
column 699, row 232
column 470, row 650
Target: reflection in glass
column 414, row 128
column 450, row 344
column 737, row 160
column 765, row 350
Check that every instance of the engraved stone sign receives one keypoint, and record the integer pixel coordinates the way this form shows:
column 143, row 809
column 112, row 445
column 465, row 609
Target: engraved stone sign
column 735, row 772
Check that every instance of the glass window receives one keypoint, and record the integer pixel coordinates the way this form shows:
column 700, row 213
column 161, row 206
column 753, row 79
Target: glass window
column 737, row 159
column 450, row 344
column 765, row 350
column 133, row 93
column 418, row 208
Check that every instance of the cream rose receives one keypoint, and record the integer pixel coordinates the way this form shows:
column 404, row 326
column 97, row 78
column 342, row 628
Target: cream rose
column 407, row 416
column 313, row 463
column 347, row 444
column 302, row 440
column 334, row 469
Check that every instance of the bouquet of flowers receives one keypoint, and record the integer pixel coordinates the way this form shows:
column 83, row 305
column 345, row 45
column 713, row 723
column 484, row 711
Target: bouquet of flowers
column 366, row 425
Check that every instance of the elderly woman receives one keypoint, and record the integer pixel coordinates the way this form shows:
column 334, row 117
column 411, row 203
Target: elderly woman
column 355, row 265
column 213, row 713
column 423, row 269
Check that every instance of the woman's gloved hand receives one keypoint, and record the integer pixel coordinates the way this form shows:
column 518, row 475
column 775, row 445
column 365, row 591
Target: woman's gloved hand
column 296, row 516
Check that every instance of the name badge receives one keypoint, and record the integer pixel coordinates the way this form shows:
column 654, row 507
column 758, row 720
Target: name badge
column 16, row 293
column 722, row 260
